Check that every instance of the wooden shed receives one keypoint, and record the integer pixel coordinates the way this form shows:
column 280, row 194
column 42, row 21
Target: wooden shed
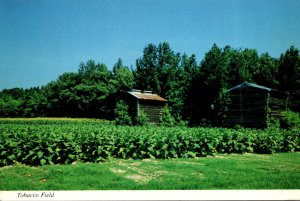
column 145, row 102
column 251, row 105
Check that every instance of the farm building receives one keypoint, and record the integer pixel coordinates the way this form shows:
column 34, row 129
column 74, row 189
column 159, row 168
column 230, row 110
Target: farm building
column 252, row 105
column 145, row 102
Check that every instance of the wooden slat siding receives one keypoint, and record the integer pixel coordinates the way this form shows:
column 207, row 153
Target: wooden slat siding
column 277, row 106
column 151, row 104
column 137, row 108
column 250, row 106
column 294, row 101
column 153, row 110
column 247, row 108
column 133, row 104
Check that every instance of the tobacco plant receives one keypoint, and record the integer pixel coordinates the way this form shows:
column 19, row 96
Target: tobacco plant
column 64, row 142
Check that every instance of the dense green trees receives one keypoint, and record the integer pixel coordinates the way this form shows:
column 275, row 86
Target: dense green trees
column 195, row 91
column 289, row 76
column 168, row 74
column 289, row 70
column 91, row 92
column 18, row 102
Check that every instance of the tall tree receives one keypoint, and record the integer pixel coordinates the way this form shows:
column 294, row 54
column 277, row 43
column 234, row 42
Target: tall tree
column 146, row 73
column 289, row 70
column 11, row 101
column 159, row 70
column 61, row 96
column 122, row 78
column 267, row 72
column 34, row 103
column 122, row 81
column 190, row 75
column 242, row 66
column 289, row 76
column 93, row 89
column 209, row 83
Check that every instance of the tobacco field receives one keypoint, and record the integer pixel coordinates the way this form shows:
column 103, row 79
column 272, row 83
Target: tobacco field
column 41, row 142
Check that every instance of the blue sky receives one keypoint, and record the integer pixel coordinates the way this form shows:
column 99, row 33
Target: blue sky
column 42, row 39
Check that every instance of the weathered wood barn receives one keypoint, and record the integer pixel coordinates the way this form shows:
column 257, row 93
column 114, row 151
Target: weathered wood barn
column 145, row 102
column 252, row 105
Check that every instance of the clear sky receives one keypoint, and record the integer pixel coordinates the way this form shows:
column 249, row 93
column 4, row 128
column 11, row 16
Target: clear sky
column 42, row 39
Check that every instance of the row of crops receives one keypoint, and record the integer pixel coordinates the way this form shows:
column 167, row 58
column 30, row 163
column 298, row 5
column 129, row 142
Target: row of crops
column 40, row 143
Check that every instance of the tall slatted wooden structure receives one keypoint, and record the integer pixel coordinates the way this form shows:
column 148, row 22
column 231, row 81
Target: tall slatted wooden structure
column 252, row 105
column 145, row 102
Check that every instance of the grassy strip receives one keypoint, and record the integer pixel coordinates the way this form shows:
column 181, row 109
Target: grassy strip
column 248, row 171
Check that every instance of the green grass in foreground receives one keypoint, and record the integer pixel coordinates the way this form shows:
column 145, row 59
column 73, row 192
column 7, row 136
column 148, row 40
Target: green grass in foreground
column 248, row 171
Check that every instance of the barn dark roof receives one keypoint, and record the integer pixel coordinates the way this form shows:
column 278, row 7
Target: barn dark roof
column 249, row 85
column 146, row 95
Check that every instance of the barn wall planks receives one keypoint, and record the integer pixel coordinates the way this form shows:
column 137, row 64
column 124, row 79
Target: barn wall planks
column 253, row 107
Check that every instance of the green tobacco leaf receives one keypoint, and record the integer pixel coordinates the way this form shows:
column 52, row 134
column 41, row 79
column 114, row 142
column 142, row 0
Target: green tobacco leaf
column 3, row 153
column 151, row 156
column 12, row 157
column 19, row 153
column 43, row 161
column 40, row 154
column 50, row 150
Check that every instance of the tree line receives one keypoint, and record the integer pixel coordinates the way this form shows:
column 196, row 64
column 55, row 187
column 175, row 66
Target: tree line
column 190, row 86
